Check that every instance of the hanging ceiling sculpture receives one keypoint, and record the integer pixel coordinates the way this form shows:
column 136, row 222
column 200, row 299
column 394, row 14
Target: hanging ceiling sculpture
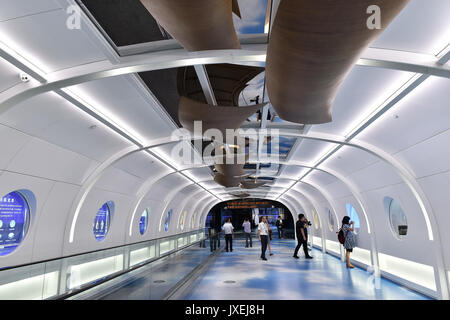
column 313, row 46
column 227, row 181
column 240, row 194
column 197, row 24
column 213, row 117
column 252, row 184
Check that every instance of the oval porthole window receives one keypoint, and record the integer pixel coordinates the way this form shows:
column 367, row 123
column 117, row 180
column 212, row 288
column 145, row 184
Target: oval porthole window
column 14, row 221
column 353, row 214
column 397, row 217
column 330, row 220
column 183, row 220
column 167, row 220
column 193, row 220
column 316, row 219
column 102, row 221
column 143, row 221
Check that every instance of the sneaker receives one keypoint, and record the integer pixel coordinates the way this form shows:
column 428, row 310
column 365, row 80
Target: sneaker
column 309, row 257
column 265, row 259
column 296, row 257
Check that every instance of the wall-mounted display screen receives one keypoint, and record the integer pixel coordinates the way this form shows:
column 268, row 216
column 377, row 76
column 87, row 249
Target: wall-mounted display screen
column 248, row 204
column 102, row 221
column 14, row 221
column 143, row 221
column 167, row 220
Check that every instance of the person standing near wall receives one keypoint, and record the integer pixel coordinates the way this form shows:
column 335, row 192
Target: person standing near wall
column 279, row 225
column 350, row 243
column 228, row 230
column 302, row 236
column 248, row 232
column 263, row 234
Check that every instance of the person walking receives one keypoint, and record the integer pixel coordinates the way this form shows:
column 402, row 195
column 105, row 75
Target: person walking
column 302, row 236
column 279, row 225
column 228, row 230
column 270, row 238
column 350, row 241
column 263, row 234
column 248, row 232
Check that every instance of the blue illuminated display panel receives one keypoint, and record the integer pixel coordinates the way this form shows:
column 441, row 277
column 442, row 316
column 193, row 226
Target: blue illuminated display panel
column 101, row 222
column 14, row 219
column 167, row 220
column 143, row 222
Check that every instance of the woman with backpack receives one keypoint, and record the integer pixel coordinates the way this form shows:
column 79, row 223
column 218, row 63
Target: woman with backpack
column 349, row 238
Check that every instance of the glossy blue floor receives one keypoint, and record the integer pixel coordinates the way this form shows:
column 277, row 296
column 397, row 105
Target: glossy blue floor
column 242, row 275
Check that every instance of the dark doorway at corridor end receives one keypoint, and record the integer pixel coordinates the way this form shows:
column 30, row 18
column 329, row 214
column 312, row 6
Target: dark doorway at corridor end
column 254, row 210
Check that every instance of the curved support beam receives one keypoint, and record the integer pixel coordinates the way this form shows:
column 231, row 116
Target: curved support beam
column 170, row 196
column 327, row 197
column 202, row 214
column 316, row 207
column 185, row 202
column 141, row 194
column 89, row 183
column 381, row 58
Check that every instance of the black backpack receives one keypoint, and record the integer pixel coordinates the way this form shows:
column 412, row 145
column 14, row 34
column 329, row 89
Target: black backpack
column 341, row 236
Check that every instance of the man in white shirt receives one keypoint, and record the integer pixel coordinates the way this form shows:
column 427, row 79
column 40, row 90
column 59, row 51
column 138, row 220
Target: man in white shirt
column 228, row 230
column 263, row 233
column 248, row 232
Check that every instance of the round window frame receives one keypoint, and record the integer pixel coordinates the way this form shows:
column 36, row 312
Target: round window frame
column 331, row 221
column 387, row 202
column 316, row 219
column 111, row 206
column 355, row 230
column 146, row 211
column 29, row 200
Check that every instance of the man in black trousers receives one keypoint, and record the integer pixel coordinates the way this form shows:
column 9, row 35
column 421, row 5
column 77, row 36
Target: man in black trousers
column 279, row 225
column 302, row 236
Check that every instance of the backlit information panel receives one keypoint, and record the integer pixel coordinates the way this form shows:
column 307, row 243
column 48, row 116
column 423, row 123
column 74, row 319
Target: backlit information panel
column 14, row 216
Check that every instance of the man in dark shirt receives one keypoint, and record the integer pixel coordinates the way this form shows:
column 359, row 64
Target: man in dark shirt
column 302, row 236
column 279, row 225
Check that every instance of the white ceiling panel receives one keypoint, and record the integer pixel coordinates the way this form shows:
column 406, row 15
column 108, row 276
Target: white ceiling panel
column 319, row 177
column 45, row 40
column 310, row 151
column 423, row 26
column 120, row 99
column 142, row 165
column 363, row 91
column 418, row 159
column 9, row 75
column 211, row 185
column 349, row 159
column 423, row 113
column 12, row 9
column 52, row 118
column 292, row 172
column 200, row 174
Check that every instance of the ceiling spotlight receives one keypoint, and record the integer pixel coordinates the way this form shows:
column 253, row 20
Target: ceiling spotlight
column 24, row 77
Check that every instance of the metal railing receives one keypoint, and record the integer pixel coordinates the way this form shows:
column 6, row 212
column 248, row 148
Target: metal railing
column 67, row 276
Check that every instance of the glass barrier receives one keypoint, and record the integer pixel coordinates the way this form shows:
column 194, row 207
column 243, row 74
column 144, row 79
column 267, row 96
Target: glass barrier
column 65, row 276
